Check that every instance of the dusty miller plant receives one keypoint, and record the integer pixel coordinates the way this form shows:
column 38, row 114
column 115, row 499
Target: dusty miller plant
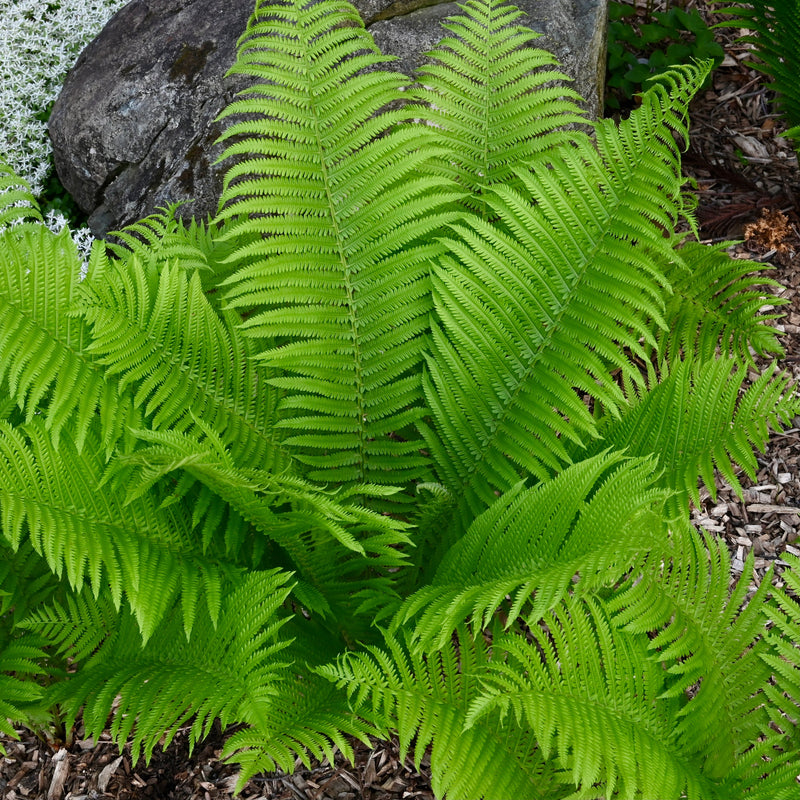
column 403, row 441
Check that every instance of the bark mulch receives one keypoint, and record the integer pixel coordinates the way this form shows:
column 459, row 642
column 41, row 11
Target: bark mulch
column 749, row 189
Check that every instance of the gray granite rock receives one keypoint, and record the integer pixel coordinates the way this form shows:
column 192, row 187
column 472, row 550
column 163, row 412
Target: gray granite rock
column 134, row 129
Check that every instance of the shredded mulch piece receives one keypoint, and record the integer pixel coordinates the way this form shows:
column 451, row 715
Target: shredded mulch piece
column 748, row 187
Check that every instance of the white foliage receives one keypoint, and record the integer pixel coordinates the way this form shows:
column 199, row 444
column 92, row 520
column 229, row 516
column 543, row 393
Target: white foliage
column 39, row 42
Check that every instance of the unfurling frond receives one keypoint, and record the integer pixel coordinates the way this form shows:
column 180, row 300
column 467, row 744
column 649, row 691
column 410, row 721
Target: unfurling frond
column 591, row 522
column 340, row 197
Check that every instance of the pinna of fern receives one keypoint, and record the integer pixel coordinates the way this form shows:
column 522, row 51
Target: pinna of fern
column 219, row 546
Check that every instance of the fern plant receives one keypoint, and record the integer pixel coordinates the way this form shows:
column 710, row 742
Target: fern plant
column 403, row 441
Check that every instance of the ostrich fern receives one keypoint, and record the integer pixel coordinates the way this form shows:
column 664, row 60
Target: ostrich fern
column 403, row 441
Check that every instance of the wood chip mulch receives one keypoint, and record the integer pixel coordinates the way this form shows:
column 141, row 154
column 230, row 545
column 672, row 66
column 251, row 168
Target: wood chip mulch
column 748, row 185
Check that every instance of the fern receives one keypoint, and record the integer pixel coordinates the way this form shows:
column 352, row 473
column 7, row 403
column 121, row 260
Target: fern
column 50, row 496
column 531, row 543
column 42, row 348
column 492, row 99
column 704, row 636
column 427, row 701
column 550, row 300
column 698, row 418
column 603, row 725
column 336, row 267
column 403, row 441
column 716, row 303
column 218, row 673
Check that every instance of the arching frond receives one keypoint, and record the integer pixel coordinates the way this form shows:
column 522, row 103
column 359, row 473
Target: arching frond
column 593, row 521
column 19, row 664
column 492, row 99
column 336, row 193
column 716, row 306
column 784, row 637
column 228, row 672
column 164, row 238
column 425, row 699
column 44, row 361
column 78, row 626
column 707, row 641
column 96, row 537
column 594, row 703
column 156, row 333
column 306, row 717
column 161, row 238
column 345, row 555
column 700, row 418
column 541, row 308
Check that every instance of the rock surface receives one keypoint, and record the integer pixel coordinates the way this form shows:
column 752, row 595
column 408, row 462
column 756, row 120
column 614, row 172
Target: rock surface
column 134, row 129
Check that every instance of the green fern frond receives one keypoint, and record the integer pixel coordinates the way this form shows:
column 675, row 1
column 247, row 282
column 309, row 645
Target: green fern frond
column 767, row 771
column 19, row 666
column 345, row 555
column 542, row 307
column 44, row 362
column 594, row 703
column 228, row 672
column 774, row 29
column 17, row 202
column 164, row 238
column 254, row 491
column 716, row 304
column 78, row 626
column 491, row 98
column 425, row 699
column 25, row 581
column 700, row 418
column 784, row 660
column 95, row 537
column 707, row 641
column 337, row 196
column 157, row 333
column 306, row 718
column 594, row 520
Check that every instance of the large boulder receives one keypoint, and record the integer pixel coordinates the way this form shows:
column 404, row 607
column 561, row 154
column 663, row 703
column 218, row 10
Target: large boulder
column 134, row 127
